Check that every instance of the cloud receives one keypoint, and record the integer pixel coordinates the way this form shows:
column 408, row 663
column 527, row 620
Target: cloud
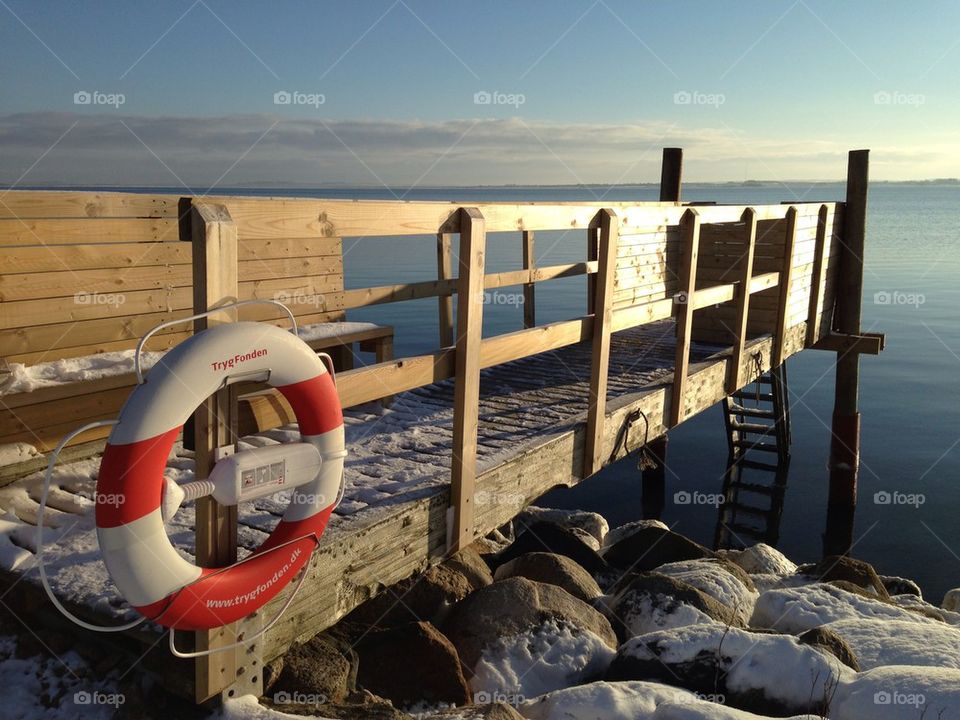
column 234, row 150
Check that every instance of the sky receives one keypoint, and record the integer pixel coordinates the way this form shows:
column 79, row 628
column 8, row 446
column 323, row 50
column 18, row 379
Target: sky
column 424, row 93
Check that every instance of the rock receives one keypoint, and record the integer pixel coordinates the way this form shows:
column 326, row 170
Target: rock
column 858, row 572
column 827, row 640
column 619, row 533
column 428, row 596
column 649, row 547
column 798, row 609
column 321, row 668
column 469, row 563
column 761, row 559
column 919, row 605
column 899, row 692
column 900, row 586
column 358, row 705
column 655, row 602
column 553, row 569
column 951, row 600
column 601, row 700
column 551, row 538
column 900, row 642
column 590, row 522
column 490, row 711
column 777, row 676
column 512, row 607
column 720, row 579
column 587, row 539
column 411, row 663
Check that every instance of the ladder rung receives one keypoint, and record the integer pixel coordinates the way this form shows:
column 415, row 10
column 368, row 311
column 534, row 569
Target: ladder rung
column 755, row 488
column 747, row 510
column 751, row 412
column 755, row 465
column 756, row 428
column 751, row 445
column 764, row 397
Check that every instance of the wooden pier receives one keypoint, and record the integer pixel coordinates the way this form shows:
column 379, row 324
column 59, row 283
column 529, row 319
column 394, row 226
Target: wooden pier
column 685, row 305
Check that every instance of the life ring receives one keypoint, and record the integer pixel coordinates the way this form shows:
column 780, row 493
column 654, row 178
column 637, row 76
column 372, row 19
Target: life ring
column 147, row 570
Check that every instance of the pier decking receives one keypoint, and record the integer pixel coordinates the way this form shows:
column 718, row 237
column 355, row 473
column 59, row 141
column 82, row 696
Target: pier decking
column 685, row 305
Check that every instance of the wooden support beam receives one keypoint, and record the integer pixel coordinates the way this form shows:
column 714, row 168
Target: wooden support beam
column 820, row 254
column 690, row 243
column 213, row 235
column 856, row 344
column 600, row 357
column 593, row 240
column 786, row 275
column 445, row 302
column 743, row 298
column 671, row 175
column 529, row 289
column 466, row 403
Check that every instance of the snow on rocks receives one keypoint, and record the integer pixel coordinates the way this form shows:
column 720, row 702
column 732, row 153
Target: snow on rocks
column 794, row 610
column 898, row 693
column 900, row 642
column 554, row 569
column 646, row 548
column 951, row 600
column 619, row 533
column 724, row 582
column 761, row 559
column 548, row 657
column 760, row 672
column 590, row 522
column 922, row 607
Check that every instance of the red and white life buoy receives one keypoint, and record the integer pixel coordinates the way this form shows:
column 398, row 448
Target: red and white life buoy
column 142, row 561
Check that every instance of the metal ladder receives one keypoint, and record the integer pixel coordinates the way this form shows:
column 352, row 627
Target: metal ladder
column 757, row 419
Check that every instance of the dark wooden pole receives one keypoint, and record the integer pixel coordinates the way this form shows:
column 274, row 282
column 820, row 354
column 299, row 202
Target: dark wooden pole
column 671, row 175
column 654, row 481
column 845, row 440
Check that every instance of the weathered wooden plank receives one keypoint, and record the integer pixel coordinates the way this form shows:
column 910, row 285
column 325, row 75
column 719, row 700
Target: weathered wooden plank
column 31, row 286
column 600, row 356
column 786, row 276
column 80, row 204
column 688, row 284
column 743, row 298
column 466, row 402
column 821, row 258
column 70, row 231
column 40, row 259
column 445, row 302
column 529, row 289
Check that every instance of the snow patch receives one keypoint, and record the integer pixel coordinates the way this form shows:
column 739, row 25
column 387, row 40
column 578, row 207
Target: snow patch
column 898, row 642
column 899, row 692
column 717, row 582
column 26, row 378
column 762, row 559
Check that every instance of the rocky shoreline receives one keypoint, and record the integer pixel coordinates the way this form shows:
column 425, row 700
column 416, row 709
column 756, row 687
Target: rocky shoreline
column 557, row 617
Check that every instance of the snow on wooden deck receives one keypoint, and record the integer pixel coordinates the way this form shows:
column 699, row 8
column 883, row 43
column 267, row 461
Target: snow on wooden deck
column 396, row 455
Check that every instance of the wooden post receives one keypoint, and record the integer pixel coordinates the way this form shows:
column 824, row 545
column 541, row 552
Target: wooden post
column 529, row 289
column 445, row 272
column 653, row 494
column 845, row 441
column 786, row 280
column 820, row 255
column 213, row 235
column 466, row 404
column 749, row 220
column 671, row 175
column 600, row 358
column 593, row 240
column 683, row 307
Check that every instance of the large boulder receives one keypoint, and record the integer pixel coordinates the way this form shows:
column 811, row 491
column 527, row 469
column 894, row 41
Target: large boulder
column 428, row 596
column 323, row 669
column 621, row 531
column 656, row 602
column 758, row 672
column 762, row 559
column 589, row 522
column 538, row 635
column 900, row 586
column 552, row 538
column 851, row 570
column 900, row 642
column 553, row 569
column 826, row 640
column 897, row 693
column 918, row 605
column 951, row 600
column 470, row 563
column 411, row 663
column 647, row 548
column 720, row 579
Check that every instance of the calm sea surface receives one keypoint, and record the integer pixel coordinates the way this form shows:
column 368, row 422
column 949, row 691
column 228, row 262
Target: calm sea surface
column 910, row 394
